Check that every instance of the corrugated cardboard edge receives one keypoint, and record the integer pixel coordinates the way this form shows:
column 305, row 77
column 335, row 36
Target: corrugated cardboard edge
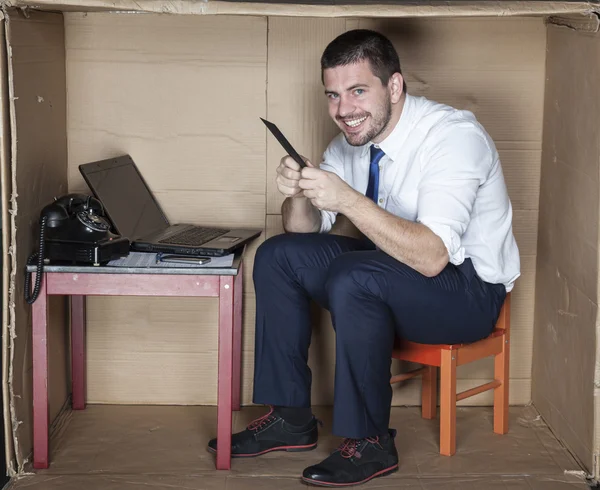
column 596, row 456
column 12, row 249
column 585, row 23
column 595, row 477
column 367, row 9
column 6, row 234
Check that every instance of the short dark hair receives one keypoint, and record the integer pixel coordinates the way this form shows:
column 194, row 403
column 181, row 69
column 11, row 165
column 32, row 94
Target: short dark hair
column 359, row 45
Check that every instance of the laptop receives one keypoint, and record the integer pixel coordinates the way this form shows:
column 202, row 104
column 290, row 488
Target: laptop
column 135, row 214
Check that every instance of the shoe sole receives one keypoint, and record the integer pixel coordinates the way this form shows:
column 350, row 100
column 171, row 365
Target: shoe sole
column 387, row 471
column 289, row 449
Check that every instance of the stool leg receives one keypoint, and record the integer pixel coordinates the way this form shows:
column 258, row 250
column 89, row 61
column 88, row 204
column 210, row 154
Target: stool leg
column 224, row 395
column 448, row 403
column 237, row 339
column 501, row 373
column 39, row 315
column 78, row 351
column 429, row 392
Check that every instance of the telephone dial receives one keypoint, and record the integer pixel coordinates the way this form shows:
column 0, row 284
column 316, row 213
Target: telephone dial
column 74, row 230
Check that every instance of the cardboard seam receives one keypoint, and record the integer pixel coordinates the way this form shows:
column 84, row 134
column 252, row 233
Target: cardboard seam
column 12, row 251
column 373, row 9
column 596, row 387
column 561, row 440
column 5, row 155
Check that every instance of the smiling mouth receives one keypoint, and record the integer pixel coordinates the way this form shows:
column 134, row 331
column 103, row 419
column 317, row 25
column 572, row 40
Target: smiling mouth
column 353, row 123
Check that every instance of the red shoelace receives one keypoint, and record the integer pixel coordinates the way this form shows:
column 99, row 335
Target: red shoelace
column 261, row 421
column 349, row 447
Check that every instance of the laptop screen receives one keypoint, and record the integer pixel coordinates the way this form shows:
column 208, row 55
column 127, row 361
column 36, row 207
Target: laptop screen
column 125, row 196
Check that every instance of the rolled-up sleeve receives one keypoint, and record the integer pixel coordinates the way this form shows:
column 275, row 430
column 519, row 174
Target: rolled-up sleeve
column 332, row 162
column 454, row 167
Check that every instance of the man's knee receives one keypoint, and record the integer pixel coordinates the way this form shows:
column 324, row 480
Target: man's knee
column 276, row 251
column 347, row 274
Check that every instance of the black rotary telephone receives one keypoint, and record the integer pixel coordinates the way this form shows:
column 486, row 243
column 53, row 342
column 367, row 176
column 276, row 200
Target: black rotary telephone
column 73, row 230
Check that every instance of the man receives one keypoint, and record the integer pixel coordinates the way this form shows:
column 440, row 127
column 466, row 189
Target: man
column 423, row 182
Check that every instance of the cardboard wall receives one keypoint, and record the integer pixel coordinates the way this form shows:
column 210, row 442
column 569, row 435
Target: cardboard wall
column 183, row 96
column 566, row 308
column 39, row 173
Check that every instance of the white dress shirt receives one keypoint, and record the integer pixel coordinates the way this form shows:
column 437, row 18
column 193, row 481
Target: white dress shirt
column 441, row 169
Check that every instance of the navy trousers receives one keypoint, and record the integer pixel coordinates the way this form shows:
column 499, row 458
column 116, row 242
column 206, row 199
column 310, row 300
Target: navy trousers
column 372, row 299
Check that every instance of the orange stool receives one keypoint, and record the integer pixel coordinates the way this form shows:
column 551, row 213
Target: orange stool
column 447, row 358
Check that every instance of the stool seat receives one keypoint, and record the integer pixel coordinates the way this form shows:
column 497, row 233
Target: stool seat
column 431, row 354
column 447, row 357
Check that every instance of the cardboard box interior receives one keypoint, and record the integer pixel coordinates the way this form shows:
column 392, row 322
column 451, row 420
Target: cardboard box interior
column 182, row 95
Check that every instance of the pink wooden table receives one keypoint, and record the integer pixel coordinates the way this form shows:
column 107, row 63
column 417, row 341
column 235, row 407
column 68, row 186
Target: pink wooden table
column 81, row 281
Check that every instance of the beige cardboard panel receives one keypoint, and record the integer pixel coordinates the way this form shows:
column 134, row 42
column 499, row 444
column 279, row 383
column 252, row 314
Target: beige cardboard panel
column 317, row 9
column 159, row 350
column 296, row 101
column 513, row 43
column 274, row 225
column 180, row 110
column 525, row 230
column 177, row 107
column 564, row 361
column 569, row 224
column 485, row 94
column 214, row 208
column 141, row 323
column 566, row 315
column 39, row 174
column 522, row 296
column 128, row 339
column 186, row 112
column 521, row 169
column 502, row 87
column 161, row 378
column 569, row 243
column 241, row 170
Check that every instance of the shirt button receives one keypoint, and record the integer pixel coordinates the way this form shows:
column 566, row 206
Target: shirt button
column 380, row 201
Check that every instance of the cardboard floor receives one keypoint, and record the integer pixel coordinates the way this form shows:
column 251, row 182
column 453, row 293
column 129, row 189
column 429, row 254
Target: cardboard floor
column 163, row 448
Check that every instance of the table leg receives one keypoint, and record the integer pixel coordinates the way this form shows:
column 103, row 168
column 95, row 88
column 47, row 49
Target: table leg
column 237, row 339
column 39, row 314
column 224, row 393
column 78, row 350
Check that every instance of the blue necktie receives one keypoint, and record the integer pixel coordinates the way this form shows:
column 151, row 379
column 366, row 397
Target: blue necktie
column 373, row 186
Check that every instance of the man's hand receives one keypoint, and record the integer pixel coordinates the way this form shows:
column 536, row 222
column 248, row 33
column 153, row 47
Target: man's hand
column 288, row 177
column 327, row 190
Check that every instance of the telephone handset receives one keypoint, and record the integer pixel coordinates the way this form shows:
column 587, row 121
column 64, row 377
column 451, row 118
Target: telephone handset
column 73, row 229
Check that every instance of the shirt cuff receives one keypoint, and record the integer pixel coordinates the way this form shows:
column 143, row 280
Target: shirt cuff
column 456, row 253
column 327, row 220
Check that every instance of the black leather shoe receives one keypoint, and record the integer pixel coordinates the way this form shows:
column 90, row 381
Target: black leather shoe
column 356, row 461
column 271, row 433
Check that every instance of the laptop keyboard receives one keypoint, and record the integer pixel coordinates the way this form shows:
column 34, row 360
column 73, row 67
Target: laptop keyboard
column 194, row 236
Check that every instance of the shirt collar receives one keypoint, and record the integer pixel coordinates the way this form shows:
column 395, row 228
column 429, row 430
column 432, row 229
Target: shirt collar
column 392, row 145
